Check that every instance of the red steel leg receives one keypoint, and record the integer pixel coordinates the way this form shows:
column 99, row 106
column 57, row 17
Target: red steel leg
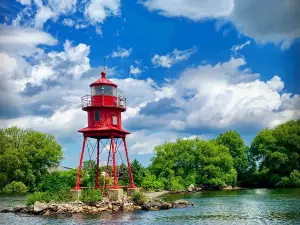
column 77, row 187
column 106, row 170
column 97, row 168
column 116, row 186
column 129, row 167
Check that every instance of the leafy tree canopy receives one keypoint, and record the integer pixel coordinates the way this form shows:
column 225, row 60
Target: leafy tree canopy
column 26, row 155
column 277, row 152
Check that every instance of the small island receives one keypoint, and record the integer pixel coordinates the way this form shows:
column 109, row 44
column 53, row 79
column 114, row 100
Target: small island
column 225, row 163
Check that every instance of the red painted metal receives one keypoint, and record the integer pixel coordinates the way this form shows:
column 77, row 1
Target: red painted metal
column 116, row 186
column 129, row 167
column 77, row 187
column 104, row 110
column 97, row 168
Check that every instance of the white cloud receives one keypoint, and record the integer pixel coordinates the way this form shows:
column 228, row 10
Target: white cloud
column 193, row 9
column 45, row 10
column 275, row 84
column 98, row 30
column 98, row 10
column 68, row 22
column 121, row 52
column 81, row 26
column 237, row 48
column 23, row 41
column 281, row 25
column 172, row 58
column 25, row 2
column 135, row 70
column 62, row 123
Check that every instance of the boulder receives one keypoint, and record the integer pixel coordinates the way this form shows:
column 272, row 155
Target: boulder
column 137, row 207
column 116, row 207
column 127, row 207
column 18, row 208
column 191, row 188
column 39, row 206
column 197, row 189
column 180, row 203
column 155, row 206
column 166, row 205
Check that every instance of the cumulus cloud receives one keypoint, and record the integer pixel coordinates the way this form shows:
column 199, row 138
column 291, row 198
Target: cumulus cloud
column 23, row 41
column 135, row 70
column 68, row 22
column 52, row 10
column 96, row 11
column 172, row 58
column 281, row 25
column 193, row 9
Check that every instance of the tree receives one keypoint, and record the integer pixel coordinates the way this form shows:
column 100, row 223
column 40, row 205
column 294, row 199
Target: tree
column 203, row 162
column 237, row 149
column 138, row 172
column 26, row 156
column 278, row 153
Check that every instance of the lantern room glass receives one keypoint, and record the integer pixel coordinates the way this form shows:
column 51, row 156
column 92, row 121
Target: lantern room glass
column 104, row 90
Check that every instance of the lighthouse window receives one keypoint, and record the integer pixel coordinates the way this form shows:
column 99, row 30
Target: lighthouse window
column 104, row 90
column 115, row 120
column 97, row 115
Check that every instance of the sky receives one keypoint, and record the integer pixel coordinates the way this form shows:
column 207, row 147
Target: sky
column 188, row 68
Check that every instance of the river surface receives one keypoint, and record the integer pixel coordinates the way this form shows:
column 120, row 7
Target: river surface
column 249, row 206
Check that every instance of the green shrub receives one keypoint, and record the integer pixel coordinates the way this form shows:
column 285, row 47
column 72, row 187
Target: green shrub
column 15, row 187
column 138, row 198
column 292, row 181
column 90, row 196
column 151, row 183
column 38, row 196
column 47, row 196
column 176, row 186
column 58, row 180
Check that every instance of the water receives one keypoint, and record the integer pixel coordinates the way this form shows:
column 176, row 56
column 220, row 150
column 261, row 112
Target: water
column 253, row 206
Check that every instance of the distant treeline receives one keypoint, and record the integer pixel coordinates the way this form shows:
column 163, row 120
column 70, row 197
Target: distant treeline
column 272, row 160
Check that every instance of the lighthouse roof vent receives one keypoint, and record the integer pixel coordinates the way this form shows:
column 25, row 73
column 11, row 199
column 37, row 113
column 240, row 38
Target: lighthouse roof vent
column 103, row 81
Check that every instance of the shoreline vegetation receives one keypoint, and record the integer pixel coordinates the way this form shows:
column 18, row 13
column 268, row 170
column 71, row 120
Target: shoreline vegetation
column 226, row 162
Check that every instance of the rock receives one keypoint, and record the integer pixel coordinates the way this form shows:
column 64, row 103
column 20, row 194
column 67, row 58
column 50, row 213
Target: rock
column 153, row 206
column 105, row 200
column 18, row 208
column 197, row 189
column 47, row 212
column 191, row 188
column 53, row 207
column 180, row 204
column 146, row 206
column 6, row 210
column 137, row 207
column 39, row 206
column 127, row 207
column 166, row 205
column 116, row 208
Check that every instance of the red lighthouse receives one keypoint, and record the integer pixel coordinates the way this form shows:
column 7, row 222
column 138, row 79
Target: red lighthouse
column 104, row 108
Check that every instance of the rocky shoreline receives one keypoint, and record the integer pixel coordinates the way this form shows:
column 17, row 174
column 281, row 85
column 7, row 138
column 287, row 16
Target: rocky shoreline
column 126, row 205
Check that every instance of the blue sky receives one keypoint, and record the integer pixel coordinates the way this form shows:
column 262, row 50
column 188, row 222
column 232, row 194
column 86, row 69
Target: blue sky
column 187, row 67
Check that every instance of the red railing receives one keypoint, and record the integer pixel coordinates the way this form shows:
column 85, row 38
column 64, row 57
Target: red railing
column 120, row 102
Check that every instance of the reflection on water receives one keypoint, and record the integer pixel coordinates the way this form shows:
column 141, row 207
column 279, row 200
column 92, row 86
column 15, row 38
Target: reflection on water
column 251, row 206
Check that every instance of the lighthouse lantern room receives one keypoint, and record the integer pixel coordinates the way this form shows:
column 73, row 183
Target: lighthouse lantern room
column 104, row 108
